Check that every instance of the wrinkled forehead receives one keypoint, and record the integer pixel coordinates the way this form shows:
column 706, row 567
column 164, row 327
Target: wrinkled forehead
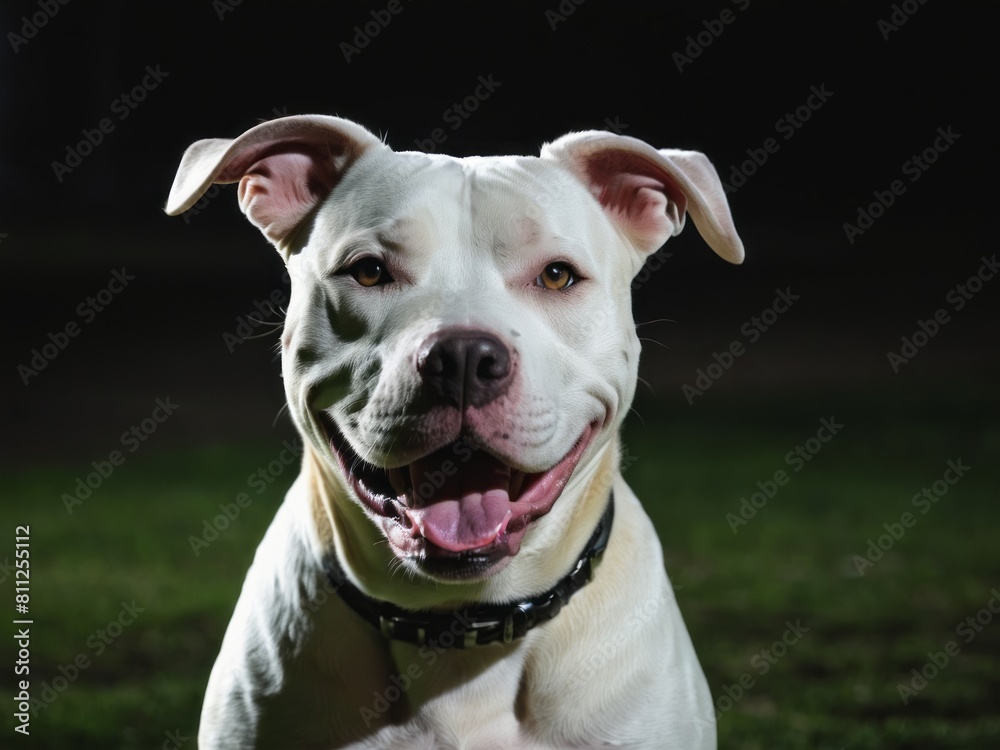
column 495, row 201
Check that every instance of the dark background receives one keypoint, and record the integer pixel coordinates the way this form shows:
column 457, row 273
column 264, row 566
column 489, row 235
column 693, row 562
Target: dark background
column 606, row 61
column 230, row 67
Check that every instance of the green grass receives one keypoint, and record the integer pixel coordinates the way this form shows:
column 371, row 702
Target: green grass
column 834, row 688
column 837, row 686
column 130, row 541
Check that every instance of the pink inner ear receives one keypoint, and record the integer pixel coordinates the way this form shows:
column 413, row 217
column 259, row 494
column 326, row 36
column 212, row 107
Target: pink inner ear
column 278, row 191
column 638, row 196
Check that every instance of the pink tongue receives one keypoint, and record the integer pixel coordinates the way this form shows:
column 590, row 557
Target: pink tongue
column 460, row 503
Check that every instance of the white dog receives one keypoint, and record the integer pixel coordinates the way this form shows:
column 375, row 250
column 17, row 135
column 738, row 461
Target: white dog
column 459, row 355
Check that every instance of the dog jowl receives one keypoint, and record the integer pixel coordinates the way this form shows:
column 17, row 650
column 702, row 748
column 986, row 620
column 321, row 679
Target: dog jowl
column 459, row 355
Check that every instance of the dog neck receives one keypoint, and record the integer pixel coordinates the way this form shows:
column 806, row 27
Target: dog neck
column 476, row 625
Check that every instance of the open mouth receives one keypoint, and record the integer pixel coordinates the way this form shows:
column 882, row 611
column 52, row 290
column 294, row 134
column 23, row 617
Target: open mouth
column 459, row 510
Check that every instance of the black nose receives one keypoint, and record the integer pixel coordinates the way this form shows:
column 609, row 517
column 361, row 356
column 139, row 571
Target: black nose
column 465, row 368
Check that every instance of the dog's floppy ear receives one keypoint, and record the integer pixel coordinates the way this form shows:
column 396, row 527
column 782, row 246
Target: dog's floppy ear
column 646, row 192
column 285, row 167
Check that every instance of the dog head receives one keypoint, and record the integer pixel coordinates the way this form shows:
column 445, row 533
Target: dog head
column 459, row 348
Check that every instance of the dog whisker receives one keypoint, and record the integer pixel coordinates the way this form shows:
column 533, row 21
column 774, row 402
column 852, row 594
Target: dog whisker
column 646, row 383
column 282, row 410
column 655, row 320
column 657, row 342
column 263, row 335
column 262, row 322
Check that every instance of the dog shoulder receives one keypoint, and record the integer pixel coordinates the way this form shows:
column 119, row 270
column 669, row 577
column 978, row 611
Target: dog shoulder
column 254, row 658
column 618, row 661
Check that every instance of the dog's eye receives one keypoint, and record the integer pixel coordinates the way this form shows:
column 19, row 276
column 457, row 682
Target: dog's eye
column 556, row 276
column 369, row 272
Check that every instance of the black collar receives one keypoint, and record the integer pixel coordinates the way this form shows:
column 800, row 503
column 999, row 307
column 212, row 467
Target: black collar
column 481, row 624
